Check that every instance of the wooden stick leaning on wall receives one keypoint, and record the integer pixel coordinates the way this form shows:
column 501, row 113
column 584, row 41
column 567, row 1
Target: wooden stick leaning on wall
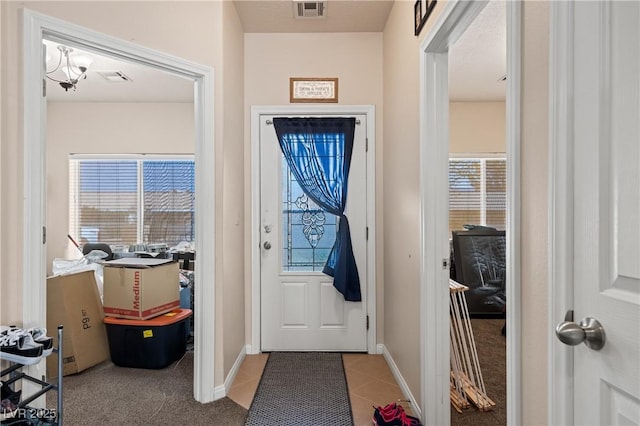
column 467, row 383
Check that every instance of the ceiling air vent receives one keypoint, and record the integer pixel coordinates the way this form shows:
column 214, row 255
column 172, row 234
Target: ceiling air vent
column 114, row 76
column 309, row 9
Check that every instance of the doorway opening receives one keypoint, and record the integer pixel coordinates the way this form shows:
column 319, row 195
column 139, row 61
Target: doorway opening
column 478, row 217
column 38, row 27
column 452, row 22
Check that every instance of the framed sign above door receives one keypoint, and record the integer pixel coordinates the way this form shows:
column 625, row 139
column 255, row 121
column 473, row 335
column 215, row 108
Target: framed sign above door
column 312, row 90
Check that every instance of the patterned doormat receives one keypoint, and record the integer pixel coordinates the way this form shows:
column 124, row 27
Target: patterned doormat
column 302, row 388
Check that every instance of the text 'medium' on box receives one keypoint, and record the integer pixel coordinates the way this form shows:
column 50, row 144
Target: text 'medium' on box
column 140, row 288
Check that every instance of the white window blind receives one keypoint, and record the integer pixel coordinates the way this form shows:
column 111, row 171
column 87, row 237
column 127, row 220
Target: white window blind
column 477, row 192
column 131, row 201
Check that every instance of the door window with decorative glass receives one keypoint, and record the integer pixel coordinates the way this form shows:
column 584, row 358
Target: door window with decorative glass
column 309, row 232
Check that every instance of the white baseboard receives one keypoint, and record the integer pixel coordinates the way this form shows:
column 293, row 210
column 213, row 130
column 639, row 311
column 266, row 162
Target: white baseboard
column 219, row 392
column 401, row 382
column 223, row 390
column 252, row 350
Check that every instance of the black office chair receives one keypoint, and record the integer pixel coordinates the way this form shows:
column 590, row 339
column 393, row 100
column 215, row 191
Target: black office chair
column 89, row 247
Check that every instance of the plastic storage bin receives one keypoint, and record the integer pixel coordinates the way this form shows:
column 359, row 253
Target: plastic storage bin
column 154, row 343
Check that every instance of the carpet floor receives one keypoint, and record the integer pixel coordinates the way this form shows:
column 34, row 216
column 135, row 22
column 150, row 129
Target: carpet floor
column 111, row 395
column 491, row 348
column 302, row 388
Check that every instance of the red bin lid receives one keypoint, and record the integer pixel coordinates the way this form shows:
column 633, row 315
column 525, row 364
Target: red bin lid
column 161, row 320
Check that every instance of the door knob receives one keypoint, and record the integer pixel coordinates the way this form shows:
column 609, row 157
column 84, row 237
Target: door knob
column 266, row 245
column 589, row 331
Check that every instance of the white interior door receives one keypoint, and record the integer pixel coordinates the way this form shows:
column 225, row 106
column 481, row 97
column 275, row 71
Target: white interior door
column 604, row 200
column 300, row 308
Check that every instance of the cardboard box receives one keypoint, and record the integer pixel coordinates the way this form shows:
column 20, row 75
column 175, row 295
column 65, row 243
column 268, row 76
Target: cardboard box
column 138, row 288
column 73, row 301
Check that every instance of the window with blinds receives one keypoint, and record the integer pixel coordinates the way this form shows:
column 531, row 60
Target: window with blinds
column 132, row 201
column 477, row 192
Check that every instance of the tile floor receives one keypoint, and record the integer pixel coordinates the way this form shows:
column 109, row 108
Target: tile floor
column 368, row 376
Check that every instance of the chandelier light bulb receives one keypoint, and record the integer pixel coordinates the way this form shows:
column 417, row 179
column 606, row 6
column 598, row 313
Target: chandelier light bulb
column 82, row 62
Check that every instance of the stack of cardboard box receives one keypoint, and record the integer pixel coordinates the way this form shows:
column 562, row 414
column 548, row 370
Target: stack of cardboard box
column 145, row 326
column 135, row 290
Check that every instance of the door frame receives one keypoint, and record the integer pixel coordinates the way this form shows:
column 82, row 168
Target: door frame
column 455, row 18
column 37, row 26
column 560, row 287
column 256, row 112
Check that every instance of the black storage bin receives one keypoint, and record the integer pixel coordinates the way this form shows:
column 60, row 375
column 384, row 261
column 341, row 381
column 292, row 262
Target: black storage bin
column 154, row 343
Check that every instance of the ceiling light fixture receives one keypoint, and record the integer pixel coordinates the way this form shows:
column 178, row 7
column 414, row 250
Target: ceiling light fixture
column 69, row 71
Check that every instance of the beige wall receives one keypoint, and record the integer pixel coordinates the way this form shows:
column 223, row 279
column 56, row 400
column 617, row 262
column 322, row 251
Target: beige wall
column 10, row 171
column 2, row 35
column 355, row 58
column 191, row 30
column 231, row 300
column 534, row 209
column 401, row 194
column 477, row 127
column 104, row 128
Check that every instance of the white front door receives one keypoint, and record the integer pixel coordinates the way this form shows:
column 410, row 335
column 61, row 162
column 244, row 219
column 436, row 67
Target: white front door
column 603, row 207
column 300, row 308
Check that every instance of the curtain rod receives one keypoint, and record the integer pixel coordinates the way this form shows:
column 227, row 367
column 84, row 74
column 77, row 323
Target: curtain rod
column 269, row 122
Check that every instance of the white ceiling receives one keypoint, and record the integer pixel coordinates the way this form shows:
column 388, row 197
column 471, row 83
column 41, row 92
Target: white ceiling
column 147, row 84
column 477, row 61
column 266, row 16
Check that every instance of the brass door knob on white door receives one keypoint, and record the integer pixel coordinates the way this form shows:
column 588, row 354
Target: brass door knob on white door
column 589, row 331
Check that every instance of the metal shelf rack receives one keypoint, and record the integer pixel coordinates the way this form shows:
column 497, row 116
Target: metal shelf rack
column 15, row 373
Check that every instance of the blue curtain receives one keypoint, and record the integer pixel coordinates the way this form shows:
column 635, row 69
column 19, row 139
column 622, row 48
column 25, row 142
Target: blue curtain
column 318, row 152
